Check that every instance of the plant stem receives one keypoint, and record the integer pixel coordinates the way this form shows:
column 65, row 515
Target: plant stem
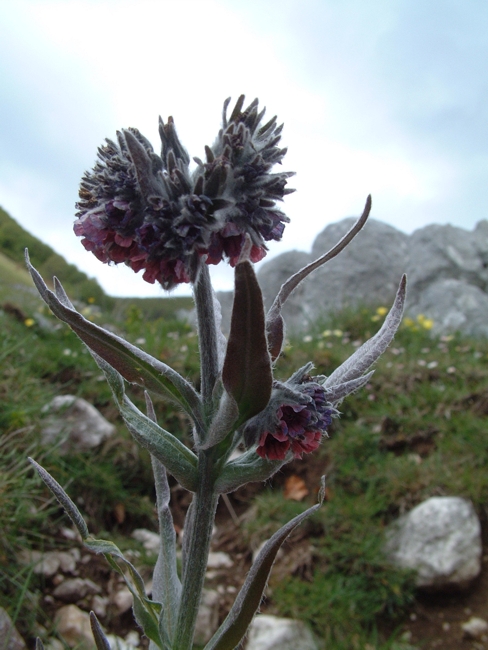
column 204, row 505
column 207, row 334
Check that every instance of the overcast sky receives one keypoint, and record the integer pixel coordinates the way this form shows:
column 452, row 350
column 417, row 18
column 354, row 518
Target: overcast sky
column 388, row 97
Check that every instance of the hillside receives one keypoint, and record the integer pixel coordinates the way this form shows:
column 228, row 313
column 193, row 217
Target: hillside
column 13, row 276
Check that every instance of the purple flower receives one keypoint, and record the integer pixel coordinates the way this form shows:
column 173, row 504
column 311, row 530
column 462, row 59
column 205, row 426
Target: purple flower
column 148, row 211
column 298, row 427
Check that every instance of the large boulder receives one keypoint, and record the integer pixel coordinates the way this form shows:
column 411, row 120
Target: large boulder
column 440, row 540
column 442, row 252
column 453, row 305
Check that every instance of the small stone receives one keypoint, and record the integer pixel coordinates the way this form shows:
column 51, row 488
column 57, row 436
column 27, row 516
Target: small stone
column 73, row 626
column 99, row 605
column 475, row 628
column 273, row 633
column 219, row 560
column 74, row 425
column 208, row 617
column 75, row 589
column 122, row 600
column 8, row 631
column 151, row 541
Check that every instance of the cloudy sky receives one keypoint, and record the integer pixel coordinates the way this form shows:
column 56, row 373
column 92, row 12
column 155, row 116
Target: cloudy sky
column 388, row 97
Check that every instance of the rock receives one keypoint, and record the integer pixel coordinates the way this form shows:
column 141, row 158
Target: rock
column 99, row 605
column 219, row 560
column 273, row 633
column 10, row 639
column 74, row 589
column 208, row 617
column 73, row 625
column 475, row 628
column 441, row 540
column 453, row 305
column 74, row 424
column 447, row 253
column 151, row 541
column 122, row 600
column 50, row 562
column 116, row 643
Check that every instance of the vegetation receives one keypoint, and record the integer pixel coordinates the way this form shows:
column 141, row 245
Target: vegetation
column 415, row 431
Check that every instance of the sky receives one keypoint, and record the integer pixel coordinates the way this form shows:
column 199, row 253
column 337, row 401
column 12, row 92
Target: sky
column 388, row 97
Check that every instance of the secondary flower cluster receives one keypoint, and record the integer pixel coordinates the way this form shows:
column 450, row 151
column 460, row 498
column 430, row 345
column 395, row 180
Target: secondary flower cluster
column 295, row 419
column 149, row 212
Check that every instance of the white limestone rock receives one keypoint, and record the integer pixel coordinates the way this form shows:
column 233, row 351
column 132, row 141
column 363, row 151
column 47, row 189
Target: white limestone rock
column 73, row 625
column 273, row 633
column 74, row 424
column 440, row 539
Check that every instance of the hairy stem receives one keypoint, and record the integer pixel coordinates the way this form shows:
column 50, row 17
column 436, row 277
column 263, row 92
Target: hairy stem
column 207, row 333
column 204, row 505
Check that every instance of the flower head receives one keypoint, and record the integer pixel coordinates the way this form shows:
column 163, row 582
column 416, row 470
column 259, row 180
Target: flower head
column 299, row 428
column 148, row 211
column 295, row 419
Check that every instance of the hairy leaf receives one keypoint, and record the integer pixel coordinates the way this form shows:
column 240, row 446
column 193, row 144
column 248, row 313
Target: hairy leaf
column 369, row 352
column 246, row 373
column 275, row 326
column 180, row 461
column 135, row 365
column 70, row 508
column 233, row 629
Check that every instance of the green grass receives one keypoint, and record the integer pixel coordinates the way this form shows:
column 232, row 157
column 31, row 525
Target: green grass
column 416, row 430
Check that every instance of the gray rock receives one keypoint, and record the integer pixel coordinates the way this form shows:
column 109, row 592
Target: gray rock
column 273, row 633
column 74, row 424
column 475, row 628
column 151, row 541
column 50, row 562
column 208, row 617
column 440, row 539
column 73, row 625
column 74, row 589
column 10, row 639
column 122, row 600
column 453, row 305
column 445, row 252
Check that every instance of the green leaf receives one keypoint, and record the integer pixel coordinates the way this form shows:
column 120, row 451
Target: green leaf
column 135, row 365
column 180, row 461
column 71, row 510
column 246, row 469
column 101, row 640
column 146, row 611
column 233, row 629
column 247, row 374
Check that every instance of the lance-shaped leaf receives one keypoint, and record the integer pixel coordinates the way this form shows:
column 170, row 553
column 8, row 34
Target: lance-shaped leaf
column 101, row 640
column 180, row 461
column 246, row 373
column 146, row 611
column 166, row 583
column 275, row 325
column 233, row 629
column 247, row 468
column 71, row 510
column 134, row 365
column 338, row 392
column 369, row 352
column 39, row 644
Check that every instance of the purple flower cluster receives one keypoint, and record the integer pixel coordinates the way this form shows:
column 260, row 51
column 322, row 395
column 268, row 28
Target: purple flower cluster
column 149, row 212
column 299, row 427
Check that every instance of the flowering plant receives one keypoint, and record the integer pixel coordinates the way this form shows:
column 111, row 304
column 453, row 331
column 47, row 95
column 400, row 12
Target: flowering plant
column 150, row 212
